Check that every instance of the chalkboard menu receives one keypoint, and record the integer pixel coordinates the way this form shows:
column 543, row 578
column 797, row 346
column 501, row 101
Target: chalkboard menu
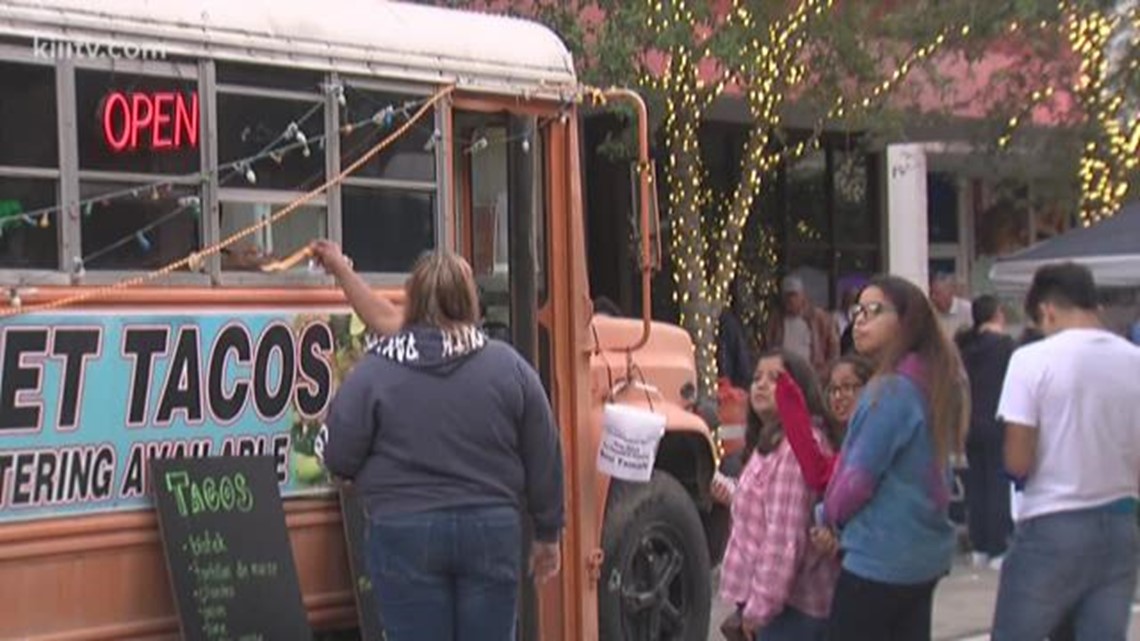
column 223, row 529
column 371, row 628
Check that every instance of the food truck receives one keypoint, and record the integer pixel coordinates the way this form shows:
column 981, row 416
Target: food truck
column 162, row 167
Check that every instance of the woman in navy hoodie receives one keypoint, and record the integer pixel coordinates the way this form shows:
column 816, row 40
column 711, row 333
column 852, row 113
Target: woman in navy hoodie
column 890, row 495
column 448, row 436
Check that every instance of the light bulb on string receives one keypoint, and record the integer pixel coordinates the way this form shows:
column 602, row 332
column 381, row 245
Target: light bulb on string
column 77, row 267
column 384, row 117
column 45, row 222
column 88, row 207
column 250, row 175
column 429, row 146
column 143, row 241
column 480, row 144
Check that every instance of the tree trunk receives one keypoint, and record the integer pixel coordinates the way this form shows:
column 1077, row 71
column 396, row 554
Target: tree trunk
column 699, row 310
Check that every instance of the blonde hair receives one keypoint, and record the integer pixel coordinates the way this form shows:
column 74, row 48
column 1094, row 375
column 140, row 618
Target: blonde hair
column 441, row 292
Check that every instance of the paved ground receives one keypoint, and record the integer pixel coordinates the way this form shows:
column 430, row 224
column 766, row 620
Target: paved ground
column 963, row 607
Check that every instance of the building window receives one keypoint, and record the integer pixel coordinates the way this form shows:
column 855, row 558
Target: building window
column 137, row 124
column 831, row 232
column 147, row 229
column 28, row 241
column 28, row 116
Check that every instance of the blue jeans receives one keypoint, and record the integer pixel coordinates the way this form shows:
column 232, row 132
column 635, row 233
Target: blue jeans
column 1082, row 563
column 793, row 625
column 447, row 575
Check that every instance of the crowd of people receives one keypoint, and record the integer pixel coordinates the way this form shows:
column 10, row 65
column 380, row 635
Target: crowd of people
column 840, row 501
column 841, row 522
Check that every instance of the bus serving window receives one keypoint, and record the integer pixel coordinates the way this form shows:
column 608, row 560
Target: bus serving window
column 278, row 240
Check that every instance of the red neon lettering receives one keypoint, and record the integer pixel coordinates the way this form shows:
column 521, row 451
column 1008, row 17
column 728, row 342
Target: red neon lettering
column 118, row 142
column 163, row 120
column 163, row 108
column 138, row 101
column 186, row 119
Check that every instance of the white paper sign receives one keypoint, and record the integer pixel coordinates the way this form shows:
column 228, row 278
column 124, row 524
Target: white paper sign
column 630, row 436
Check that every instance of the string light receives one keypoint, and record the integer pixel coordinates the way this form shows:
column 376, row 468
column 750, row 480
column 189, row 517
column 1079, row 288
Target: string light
column 241, row 166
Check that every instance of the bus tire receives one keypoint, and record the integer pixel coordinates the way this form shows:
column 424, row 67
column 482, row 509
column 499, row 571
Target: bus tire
column 655, row 583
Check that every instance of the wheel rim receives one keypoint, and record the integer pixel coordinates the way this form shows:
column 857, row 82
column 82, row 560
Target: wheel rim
column 655, row 597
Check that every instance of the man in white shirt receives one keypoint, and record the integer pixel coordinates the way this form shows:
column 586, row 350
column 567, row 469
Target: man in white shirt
column 954, row 313
column 1071, row 403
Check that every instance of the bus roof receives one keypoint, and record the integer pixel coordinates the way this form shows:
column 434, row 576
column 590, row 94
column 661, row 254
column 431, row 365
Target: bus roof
column 360, row 37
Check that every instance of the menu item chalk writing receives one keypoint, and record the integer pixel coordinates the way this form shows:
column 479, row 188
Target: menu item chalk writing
column 227, row 549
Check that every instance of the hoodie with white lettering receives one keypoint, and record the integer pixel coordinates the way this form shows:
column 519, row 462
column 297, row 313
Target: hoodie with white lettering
column 434, row 419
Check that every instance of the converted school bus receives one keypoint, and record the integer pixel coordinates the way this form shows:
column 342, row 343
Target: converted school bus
column 136, row 133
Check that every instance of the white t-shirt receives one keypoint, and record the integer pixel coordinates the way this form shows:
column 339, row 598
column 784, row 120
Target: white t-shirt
column 961, row 315
column 1081, row 390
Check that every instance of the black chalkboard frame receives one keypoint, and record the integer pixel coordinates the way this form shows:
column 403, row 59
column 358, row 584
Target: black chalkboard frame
column 288, row 621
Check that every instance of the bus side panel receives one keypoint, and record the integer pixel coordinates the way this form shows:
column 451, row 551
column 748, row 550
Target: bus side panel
column 105, row 577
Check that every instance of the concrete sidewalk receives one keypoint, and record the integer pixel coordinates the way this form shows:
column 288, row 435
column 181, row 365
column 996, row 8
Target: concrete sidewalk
column 963, row 606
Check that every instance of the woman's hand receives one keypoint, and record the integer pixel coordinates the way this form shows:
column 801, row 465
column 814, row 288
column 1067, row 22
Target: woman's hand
column 824, row 540
column 330, row 256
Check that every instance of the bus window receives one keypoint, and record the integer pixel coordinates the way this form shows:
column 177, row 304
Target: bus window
column 27, row 111
column 389, row 208
column 250, row 120
column 27, row 243
column 134, row 130
column 146, row 230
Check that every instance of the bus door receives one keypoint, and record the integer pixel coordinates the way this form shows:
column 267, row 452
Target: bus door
column 501, row 223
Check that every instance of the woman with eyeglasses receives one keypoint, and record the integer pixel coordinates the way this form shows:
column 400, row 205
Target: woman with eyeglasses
column 890, row 494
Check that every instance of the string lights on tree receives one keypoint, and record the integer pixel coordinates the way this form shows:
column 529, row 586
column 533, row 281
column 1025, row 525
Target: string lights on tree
column 769, row 65
column 1110, row 154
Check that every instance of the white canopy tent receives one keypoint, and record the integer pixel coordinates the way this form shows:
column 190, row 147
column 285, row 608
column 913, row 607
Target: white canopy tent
column 1111, row 249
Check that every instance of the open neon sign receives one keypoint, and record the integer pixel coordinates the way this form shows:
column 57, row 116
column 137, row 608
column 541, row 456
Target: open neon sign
column 163, row 120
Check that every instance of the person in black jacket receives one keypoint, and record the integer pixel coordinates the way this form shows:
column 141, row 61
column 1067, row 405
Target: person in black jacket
column 986, row 350
column 448, row 437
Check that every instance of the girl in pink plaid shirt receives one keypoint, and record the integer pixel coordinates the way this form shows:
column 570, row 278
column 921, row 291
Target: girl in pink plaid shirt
column 781, row 583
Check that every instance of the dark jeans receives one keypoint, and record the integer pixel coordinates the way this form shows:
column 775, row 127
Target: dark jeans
column 863, row 610
column 447, row 575
column 987, row 499
column 793, row 625
column 1080, row 564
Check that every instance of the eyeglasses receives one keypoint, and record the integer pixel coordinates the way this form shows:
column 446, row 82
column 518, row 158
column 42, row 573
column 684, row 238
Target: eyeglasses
column 869, row 310
column 843, row 390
